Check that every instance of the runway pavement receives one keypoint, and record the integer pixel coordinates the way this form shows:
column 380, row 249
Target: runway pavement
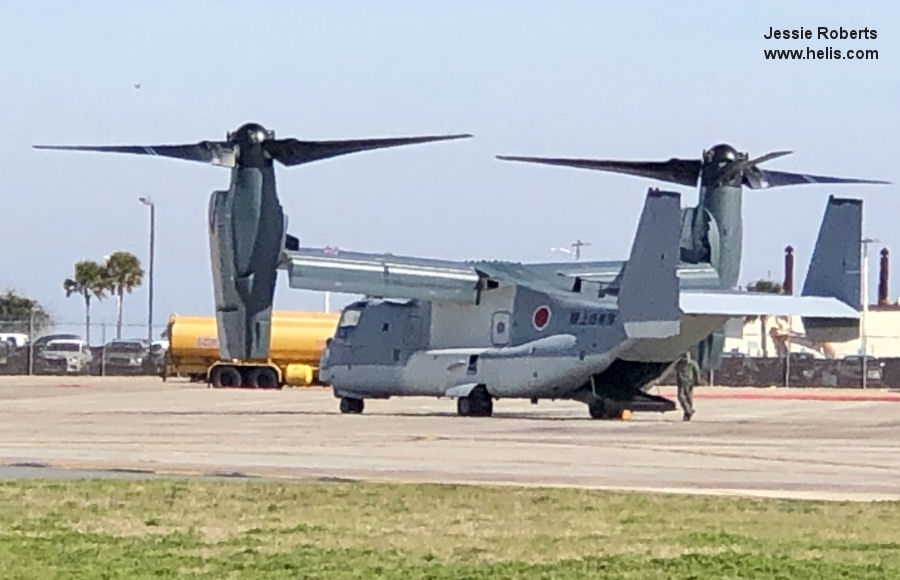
column 780, row 443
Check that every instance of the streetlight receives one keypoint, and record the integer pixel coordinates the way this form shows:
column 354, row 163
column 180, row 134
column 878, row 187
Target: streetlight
column 149, row 203
column 576, row 254
column 864, row 291
column 577, row 245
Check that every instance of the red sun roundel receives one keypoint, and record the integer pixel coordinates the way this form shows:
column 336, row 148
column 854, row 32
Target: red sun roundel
column 541, row 317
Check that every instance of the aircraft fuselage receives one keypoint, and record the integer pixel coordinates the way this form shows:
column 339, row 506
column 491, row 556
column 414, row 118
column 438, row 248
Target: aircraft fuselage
column 517, row 343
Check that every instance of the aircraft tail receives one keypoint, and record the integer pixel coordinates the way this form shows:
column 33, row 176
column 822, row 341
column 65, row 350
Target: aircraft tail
column 648, row 289
column 835, row 269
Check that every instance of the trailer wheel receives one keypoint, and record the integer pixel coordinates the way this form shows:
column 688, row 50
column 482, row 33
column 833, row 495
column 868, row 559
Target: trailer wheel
column 263, row 378
column 225, row 376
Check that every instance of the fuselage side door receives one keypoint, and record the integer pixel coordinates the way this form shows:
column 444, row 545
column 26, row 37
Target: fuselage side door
column 500, row 328
column 412, row 331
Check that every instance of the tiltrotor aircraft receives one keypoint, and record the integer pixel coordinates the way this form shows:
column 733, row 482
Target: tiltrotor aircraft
column 247, row 226
column 479, row 331
column 597, row 332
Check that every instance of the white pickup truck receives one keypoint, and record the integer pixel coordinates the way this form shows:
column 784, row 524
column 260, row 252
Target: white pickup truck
column 68, row 355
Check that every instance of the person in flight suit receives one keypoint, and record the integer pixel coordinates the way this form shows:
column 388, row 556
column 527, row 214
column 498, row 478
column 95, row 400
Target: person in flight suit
column 687, row 374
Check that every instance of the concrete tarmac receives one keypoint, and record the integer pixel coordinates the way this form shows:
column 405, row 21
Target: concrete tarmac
column 775, row 443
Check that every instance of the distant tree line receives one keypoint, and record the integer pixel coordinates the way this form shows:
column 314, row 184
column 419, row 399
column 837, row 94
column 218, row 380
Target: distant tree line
column 120, row 273
column 18, row 313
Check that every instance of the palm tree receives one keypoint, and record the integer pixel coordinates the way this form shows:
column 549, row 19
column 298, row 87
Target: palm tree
column 90, row 280
column 124, row 273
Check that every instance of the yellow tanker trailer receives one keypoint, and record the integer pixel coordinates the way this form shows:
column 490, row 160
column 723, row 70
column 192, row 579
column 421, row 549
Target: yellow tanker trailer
column 298, row 339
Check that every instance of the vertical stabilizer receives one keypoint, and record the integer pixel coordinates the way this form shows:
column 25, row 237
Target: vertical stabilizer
column 834, row 270
column 648, row 291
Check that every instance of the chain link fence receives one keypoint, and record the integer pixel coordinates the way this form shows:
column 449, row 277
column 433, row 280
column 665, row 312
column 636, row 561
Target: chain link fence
column 73, row 348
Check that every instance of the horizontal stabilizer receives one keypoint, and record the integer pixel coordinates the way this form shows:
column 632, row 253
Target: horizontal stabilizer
column 648, row 291
column 731, row 303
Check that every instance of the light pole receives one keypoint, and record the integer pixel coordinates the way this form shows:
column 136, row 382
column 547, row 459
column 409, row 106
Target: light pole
column 149, row 203
column 576, row 253
column 864, row 292
column 577, row 244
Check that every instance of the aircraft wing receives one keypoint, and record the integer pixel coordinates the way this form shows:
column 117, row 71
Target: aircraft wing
column 569, row 274
column 392, row 276
column 383, row 275
column 731, row 303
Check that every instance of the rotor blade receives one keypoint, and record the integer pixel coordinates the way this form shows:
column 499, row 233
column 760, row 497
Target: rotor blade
column 295, row 152
column 749, row 167
column 681, row 171
column 768, row 157
column 217, row 152
column 764, row 179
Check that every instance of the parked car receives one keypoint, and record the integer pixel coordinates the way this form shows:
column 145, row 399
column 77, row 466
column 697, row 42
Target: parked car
column 40, row 343
column 14, row 339
column 65, row 355
column 125, row 357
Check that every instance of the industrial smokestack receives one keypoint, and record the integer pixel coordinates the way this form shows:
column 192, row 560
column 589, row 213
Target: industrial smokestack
column 883, row 279
column 788, row 270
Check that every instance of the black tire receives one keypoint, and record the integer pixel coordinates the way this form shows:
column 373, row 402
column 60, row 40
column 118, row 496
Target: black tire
column 597, row 409
column 600, row 409
column 482, row 404
column 477, row 404
column 224, row 377
column 262, row 378
column 352, row 406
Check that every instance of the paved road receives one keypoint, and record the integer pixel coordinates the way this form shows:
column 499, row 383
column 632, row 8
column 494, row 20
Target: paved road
column 830, row 449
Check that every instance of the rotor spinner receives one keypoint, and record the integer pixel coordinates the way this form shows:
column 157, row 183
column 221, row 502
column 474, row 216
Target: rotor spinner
column 247, row 143
column 718, row 162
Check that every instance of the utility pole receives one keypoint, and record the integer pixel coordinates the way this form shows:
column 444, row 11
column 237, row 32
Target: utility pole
column 149, row 203
column 577, row 244
column 576, row 253
column 864, row 292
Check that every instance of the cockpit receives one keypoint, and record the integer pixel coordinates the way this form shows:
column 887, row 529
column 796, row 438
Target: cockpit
column 348, row 322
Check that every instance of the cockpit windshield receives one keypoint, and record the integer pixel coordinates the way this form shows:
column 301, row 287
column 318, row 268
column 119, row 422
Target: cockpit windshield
column 349, row 318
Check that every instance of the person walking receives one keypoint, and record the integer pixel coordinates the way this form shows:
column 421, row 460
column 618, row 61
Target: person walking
column 687, row 374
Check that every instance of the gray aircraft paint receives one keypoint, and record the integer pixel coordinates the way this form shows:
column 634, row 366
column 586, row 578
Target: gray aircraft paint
column 555, row 342
column 247, row 232
column 580, row 349
column 835, row 269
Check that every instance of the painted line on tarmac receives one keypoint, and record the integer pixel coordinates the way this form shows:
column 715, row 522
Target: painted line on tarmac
column 794, row 396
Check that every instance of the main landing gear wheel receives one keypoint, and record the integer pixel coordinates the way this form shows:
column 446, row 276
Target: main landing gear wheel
column 225, row 376
column 477, row 404
column 601, row 409
column 352, row 406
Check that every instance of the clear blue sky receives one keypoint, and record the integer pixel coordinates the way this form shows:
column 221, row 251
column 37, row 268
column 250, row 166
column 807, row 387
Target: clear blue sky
column 633, row 80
